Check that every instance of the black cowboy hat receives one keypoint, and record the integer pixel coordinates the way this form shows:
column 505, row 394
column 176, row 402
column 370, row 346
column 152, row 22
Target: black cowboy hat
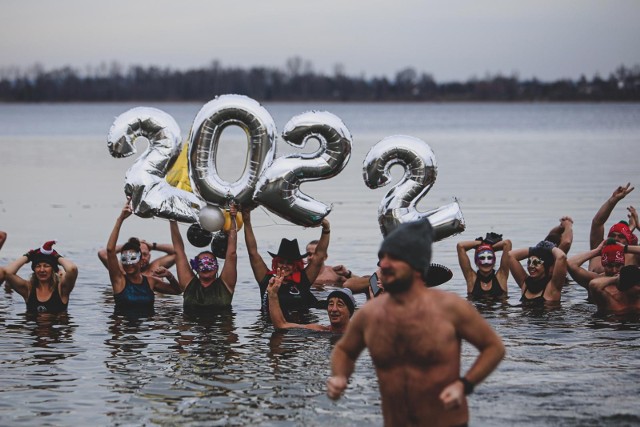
column 437, row 275
column 289, row 250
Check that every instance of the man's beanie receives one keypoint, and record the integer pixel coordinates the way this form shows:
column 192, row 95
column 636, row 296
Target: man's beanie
column 410, row 242
column 346, row 296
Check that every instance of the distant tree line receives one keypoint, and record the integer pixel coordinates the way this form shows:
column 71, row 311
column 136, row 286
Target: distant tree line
column 297, row 82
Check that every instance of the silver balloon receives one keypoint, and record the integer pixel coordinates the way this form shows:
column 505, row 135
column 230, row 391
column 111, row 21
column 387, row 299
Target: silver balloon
column 399, row 204
column 213, row 118
column 151, row 195
column 278, row 186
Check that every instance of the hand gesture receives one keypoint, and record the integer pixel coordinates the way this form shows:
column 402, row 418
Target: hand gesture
column 620, row 192
column 162, row 272
column 127, row 209
column 233, row 209
column 275, row 282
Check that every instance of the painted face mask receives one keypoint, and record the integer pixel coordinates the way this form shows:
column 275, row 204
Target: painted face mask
column 130, row 257
column 205, row 264
column 486, row 258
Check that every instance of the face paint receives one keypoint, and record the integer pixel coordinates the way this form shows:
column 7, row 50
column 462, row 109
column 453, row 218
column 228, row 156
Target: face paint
column 207, row 263
column 486, row 258
column 129, row 257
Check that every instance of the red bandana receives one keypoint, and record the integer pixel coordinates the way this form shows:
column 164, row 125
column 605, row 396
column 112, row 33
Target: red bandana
column 612, row 254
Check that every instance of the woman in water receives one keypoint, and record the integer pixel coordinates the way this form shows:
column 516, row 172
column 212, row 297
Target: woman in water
column 204, row 289
column 486, row 281
column 48, row 289
column 545, row 275
column 130, row 285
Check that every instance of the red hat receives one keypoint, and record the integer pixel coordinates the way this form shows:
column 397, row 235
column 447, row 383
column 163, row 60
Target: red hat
column 612, row 253
column 484, row 248
column 622, row 228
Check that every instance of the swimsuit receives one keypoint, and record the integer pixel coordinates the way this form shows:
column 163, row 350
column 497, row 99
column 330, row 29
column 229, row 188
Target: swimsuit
column 495, row 291
column 216, row 295
column 53, row 305
column 536, row 301
column 135, row 294
column 291, row 295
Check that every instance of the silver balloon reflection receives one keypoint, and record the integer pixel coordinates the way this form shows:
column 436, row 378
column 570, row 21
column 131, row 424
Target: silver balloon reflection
column 212, row 119
column 278, row 188
column 151, row 195
column 399, row 204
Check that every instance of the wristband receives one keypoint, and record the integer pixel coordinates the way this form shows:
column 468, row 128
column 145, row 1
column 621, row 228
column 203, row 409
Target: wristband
column 349, row 274
column 468, row 386
column 626, row 247
column 154, row 245
column 326, row 231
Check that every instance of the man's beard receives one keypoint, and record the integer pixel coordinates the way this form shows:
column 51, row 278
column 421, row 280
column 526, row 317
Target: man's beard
column 398, row 286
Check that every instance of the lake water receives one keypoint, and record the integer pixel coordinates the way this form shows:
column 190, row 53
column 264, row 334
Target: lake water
column 515, row 169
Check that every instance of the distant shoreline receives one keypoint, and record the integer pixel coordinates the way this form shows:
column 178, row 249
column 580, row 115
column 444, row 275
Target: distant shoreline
column 268, row 85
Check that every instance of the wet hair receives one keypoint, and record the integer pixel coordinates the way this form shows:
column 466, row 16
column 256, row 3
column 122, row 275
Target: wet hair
column 206, row 252
column 133, row 244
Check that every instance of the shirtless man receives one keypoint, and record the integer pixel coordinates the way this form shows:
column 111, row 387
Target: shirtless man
column 620, row 231
column 414, row 336
column 618, row 294
column 329, row 275
column 612, row 257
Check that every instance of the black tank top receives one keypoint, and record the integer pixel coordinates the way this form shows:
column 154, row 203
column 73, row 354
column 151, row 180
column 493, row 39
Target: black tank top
column 53, row 305
column 494, row 291
column 291, row 295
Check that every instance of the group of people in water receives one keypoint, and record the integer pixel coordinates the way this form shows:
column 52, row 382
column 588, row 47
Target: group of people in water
column 405, row 323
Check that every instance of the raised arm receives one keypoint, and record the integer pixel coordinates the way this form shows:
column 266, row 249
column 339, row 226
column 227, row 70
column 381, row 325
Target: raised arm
column 167, row 260
column 517, row 270
column 70, row 276
column 185, row 274
column 16, row 282
column 313, row 268
column 601, row 217
column 229, row 274
column 633, row 218
column 581, row 275
column 505, row 263
column 559, row 275
column 3, row 238
column 115, row 273
column 258, row 266
column 566, row 237
column 465, row 263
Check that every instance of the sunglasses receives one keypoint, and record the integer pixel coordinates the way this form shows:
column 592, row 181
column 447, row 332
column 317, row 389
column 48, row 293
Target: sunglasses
column 535, row 262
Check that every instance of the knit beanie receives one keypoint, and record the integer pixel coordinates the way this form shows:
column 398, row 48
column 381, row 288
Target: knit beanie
column 410, row 242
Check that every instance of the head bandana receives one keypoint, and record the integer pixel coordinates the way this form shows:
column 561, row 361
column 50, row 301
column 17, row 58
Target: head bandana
column 130, row 257
column 612, row 254
column 485, row 255
column 622, row 228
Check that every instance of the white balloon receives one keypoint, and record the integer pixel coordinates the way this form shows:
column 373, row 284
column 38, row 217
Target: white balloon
column 211, row 218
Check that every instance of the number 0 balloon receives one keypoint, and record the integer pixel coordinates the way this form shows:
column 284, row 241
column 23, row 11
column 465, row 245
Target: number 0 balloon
column 399, row 204
column 213, row 118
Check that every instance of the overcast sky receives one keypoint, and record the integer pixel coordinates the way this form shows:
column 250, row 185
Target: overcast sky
column 450, row 39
